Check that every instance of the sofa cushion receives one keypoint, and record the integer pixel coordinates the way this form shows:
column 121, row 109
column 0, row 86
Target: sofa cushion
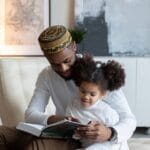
column 17, row 82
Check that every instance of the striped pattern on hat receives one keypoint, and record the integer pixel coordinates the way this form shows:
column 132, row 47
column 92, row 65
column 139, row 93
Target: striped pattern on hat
column 54, row 39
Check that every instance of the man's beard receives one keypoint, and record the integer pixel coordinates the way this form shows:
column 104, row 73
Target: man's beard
column 69, row 77
column 66, row 78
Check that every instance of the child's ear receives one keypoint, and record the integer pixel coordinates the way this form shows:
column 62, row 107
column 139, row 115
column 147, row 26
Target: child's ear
column 104, row 93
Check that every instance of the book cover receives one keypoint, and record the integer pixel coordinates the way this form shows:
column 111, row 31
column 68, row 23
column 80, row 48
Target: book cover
column 60, row 129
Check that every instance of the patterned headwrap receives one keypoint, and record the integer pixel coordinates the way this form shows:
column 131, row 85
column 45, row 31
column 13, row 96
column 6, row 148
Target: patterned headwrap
column 54, row 39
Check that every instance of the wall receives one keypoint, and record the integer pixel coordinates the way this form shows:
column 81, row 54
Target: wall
column 62, row 12
column 13, row 25
column 115, row 27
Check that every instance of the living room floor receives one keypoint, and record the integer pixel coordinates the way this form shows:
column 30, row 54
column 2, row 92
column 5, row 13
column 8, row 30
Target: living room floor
column 141, row 132
column 140, row 139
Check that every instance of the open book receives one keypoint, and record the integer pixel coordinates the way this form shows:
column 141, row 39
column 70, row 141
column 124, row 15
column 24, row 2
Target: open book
column 60, row 129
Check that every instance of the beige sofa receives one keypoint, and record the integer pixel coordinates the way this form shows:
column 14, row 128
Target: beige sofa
column 17, row 82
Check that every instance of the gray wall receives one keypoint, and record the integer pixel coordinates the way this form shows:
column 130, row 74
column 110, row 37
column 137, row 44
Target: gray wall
column 115, row 27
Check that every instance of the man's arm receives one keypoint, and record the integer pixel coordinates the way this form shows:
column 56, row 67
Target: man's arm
column 35, row 113
column 127, row 122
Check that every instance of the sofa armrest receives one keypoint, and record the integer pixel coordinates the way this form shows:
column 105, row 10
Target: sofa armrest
column 17, row 82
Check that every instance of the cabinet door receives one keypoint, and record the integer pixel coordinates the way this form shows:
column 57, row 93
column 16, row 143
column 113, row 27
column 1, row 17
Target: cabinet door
column 143, row 92
column 130, row 86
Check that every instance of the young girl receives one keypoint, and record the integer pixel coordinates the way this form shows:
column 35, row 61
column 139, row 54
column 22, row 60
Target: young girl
column 95, row 80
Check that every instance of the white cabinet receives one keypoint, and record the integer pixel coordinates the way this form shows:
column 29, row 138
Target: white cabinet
column 143, row 92
column 137, row 86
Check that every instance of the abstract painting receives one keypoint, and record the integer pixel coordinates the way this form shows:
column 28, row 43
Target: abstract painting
column 21, row 22
column 120, row 27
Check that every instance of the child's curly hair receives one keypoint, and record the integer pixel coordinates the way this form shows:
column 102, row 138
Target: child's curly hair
column 109, row 76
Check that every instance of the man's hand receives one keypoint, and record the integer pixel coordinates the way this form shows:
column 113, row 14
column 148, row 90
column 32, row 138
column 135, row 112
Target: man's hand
column 95, row 131
column 55, row 118
column 70, row 118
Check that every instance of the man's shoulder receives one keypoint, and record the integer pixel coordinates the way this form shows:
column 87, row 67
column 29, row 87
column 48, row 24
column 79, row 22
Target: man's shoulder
column 115, row 92
column 115, row 96
column 47, row 72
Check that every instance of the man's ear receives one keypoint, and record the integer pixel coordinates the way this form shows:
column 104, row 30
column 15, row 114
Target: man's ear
column 74, row 46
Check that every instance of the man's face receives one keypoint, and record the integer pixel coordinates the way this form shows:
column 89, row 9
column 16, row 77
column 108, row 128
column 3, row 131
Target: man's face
column 62, row 61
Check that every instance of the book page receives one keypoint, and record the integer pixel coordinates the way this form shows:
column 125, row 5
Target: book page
column 34, row 129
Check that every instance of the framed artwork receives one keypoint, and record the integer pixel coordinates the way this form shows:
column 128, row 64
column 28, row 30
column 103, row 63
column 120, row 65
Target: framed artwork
column 21, row 22
column 114, row 28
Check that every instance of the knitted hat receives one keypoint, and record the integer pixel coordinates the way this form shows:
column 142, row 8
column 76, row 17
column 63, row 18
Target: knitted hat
column 54, row 39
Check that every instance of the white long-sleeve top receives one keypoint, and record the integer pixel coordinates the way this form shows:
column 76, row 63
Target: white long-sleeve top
column 100, row 112
column 50, row 84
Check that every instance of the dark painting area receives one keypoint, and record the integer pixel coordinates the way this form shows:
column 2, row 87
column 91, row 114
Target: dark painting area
column 96, row 37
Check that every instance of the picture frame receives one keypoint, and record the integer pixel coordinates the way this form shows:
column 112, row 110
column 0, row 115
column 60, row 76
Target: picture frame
column 21, row 22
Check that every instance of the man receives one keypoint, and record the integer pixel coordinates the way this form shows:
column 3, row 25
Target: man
column 55, row 82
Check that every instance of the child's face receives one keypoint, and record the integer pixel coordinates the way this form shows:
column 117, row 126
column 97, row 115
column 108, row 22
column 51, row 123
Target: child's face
column 89, row 93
